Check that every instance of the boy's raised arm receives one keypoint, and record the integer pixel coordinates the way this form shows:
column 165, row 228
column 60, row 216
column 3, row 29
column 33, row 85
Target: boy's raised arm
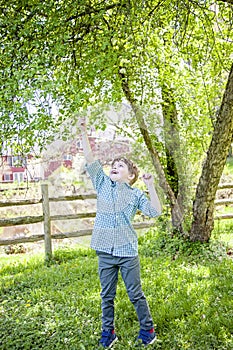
column 154, row 199
column 87, row 151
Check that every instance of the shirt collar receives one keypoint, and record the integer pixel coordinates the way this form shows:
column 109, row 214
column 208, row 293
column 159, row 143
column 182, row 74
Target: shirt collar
column 120, row 184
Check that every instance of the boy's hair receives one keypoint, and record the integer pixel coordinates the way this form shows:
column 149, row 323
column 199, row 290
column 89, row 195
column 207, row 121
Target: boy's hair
column 133, row 170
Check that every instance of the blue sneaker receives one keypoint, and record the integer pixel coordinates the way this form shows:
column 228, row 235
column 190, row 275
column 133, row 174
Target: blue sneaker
column 108, row 339
column 146, row 337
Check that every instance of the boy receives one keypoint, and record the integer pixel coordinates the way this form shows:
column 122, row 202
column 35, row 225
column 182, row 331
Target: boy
column 115, row 240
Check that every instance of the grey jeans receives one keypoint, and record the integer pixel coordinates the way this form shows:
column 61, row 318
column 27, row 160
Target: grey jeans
column 130, row 271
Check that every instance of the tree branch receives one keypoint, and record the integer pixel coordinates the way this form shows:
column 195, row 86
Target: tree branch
column 92, row 10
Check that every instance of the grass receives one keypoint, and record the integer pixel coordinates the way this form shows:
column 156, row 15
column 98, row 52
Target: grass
column 188, row 287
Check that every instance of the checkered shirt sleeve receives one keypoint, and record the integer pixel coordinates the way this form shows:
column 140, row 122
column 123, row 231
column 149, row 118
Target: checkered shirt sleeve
column 96, row 173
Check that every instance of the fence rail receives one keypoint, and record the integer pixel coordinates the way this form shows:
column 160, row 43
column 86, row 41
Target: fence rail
column 46, row 218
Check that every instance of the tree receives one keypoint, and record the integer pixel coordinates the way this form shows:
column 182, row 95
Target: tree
column 203, row 207
column 174, row 56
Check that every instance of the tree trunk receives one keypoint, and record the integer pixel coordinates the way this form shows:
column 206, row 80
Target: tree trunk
column 203, row 207
column 175, row 172
column 176, row 212
column 171, row 138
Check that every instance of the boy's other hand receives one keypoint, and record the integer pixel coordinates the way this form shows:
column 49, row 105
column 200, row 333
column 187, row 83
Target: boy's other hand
column 82, row 124
column 148, row 179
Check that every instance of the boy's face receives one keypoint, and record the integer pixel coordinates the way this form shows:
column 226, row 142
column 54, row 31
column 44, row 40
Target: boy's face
column 120, row 172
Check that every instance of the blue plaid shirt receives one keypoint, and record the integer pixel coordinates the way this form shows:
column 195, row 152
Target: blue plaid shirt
column 117, row 204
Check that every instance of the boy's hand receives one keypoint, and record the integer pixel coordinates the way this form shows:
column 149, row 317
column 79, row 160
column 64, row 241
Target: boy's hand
column 88, row 154
column 82, row 124
column 148, row 179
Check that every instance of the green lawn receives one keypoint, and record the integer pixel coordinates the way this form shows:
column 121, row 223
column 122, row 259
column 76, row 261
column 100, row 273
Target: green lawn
column 188, row 287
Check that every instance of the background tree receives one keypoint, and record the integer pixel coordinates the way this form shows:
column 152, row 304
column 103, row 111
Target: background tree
column 203, row 207
column 165, row 58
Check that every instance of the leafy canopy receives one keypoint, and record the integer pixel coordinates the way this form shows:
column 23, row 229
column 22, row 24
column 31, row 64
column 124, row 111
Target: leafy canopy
column 69, row 54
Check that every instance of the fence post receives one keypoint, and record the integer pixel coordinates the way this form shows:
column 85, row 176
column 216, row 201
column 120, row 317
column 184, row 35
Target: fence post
column 47, row 222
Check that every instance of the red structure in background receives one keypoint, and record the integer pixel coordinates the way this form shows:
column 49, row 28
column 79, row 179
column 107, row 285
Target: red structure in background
column 20, row 169
column 13, row 168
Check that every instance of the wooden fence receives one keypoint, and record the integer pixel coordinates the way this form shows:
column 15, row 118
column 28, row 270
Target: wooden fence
column 224, row 202
column 46, row 218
